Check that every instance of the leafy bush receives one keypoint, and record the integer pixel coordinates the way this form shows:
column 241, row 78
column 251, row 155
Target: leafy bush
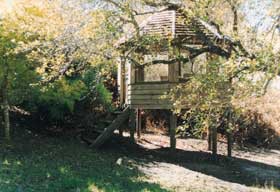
column 58, row 99
column 103, row 95
column 74, row 98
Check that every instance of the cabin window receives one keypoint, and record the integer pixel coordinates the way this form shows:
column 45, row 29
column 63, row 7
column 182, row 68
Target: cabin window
column 194, row 67
column 154, row 73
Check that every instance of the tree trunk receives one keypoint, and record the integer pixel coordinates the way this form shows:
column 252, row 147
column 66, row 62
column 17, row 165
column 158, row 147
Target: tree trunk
column 6, row 106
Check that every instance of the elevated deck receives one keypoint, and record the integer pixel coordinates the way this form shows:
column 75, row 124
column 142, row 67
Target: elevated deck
column 150, row 95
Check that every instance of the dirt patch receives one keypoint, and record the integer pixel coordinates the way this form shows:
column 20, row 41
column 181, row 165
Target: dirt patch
column 181, row 179
column 192, row 168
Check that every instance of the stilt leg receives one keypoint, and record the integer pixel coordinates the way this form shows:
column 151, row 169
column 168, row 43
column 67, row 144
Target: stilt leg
column 209, row 138
column 138, row 123
column 229, row 142
column 132, row 125
column 121, row 132
column 173, row 126
column 214, row 140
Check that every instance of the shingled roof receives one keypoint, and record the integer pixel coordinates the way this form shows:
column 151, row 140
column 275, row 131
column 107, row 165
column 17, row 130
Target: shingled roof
column 173, row 23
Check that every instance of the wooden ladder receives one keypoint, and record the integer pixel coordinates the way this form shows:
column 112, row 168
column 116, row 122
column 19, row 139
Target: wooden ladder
column 109, row 131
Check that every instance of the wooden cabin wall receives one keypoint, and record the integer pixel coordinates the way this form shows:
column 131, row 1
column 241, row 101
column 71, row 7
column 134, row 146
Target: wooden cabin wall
column 150, row 95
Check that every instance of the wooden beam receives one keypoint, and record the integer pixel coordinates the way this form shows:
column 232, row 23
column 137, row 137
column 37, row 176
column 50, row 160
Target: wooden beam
column 209, row 138
column 148, row 97
column 132, row 125
column 121, row 131
column 109, row 131
column 121, row 79
column 229, row 143
column 148, row 92
column 149, row 102
column 138, row 123
column 159, row 106
column 131, row 73
column 174, row 69
column 173, row 126
column 151, row 86
column 214, row 140
column 173, row 72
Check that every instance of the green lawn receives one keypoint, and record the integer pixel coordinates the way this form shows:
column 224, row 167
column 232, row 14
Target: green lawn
column 41, row 164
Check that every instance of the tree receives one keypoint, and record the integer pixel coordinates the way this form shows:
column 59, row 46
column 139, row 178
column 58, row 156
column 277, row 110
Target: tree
column 46, row 45
column 17, row 72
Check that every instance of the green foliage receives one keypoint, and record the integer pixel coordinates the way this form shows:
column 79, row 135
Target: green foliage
column 213, row 97
column 59, row 98
column 16, row 67
column 22, row 82
column 93, row 78
column 103, row 95
column 34, row 55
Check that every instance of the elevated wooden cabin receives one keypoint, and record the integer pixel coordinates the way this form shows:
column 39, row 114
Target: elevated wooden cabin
column 158, row 57
column 145, row 84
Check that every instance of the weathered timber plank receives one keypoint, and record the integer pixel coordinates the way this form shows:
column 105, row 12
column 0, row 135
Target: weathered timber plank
column 138, row 123
column 148, row 97
column 108, row 132
column 173, row 127
column 158, row 106
column 132, row 125
column 148, row 92
column 151, row 87
column 150, row 102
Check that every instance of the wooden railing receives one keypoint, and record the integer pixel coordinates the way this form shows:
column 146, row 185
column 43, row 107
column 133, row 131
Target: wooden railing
column 150, row 95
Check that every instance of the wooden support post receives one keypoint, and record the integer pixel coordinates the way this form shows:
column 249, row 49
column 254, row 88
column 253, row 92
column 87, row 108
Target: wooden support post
column 209, row 138
column 138, row 123
column 132, row 125
column 121, row 131
column 229, row 143
column 121, row 79
column 173, row 72
column 214, row 140
column 132, row 73
column 229, row 132
column 173, row 126
column 173, row 76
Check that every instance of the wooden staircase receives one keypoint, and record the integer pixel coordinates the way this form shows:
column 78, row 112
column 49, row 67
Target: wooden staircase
column 109, row 131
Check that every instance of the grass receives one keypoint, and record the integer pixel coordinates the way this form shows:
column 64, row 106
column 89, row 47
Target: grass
column 35, row 163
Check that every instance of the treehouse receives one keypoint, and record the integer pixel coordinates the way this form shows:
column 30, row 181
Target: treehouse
column 158, row 56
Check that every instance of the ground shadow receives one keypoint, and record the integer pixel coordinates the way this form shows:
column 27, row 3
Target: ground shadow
column 235, row 170
column 37, row 163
